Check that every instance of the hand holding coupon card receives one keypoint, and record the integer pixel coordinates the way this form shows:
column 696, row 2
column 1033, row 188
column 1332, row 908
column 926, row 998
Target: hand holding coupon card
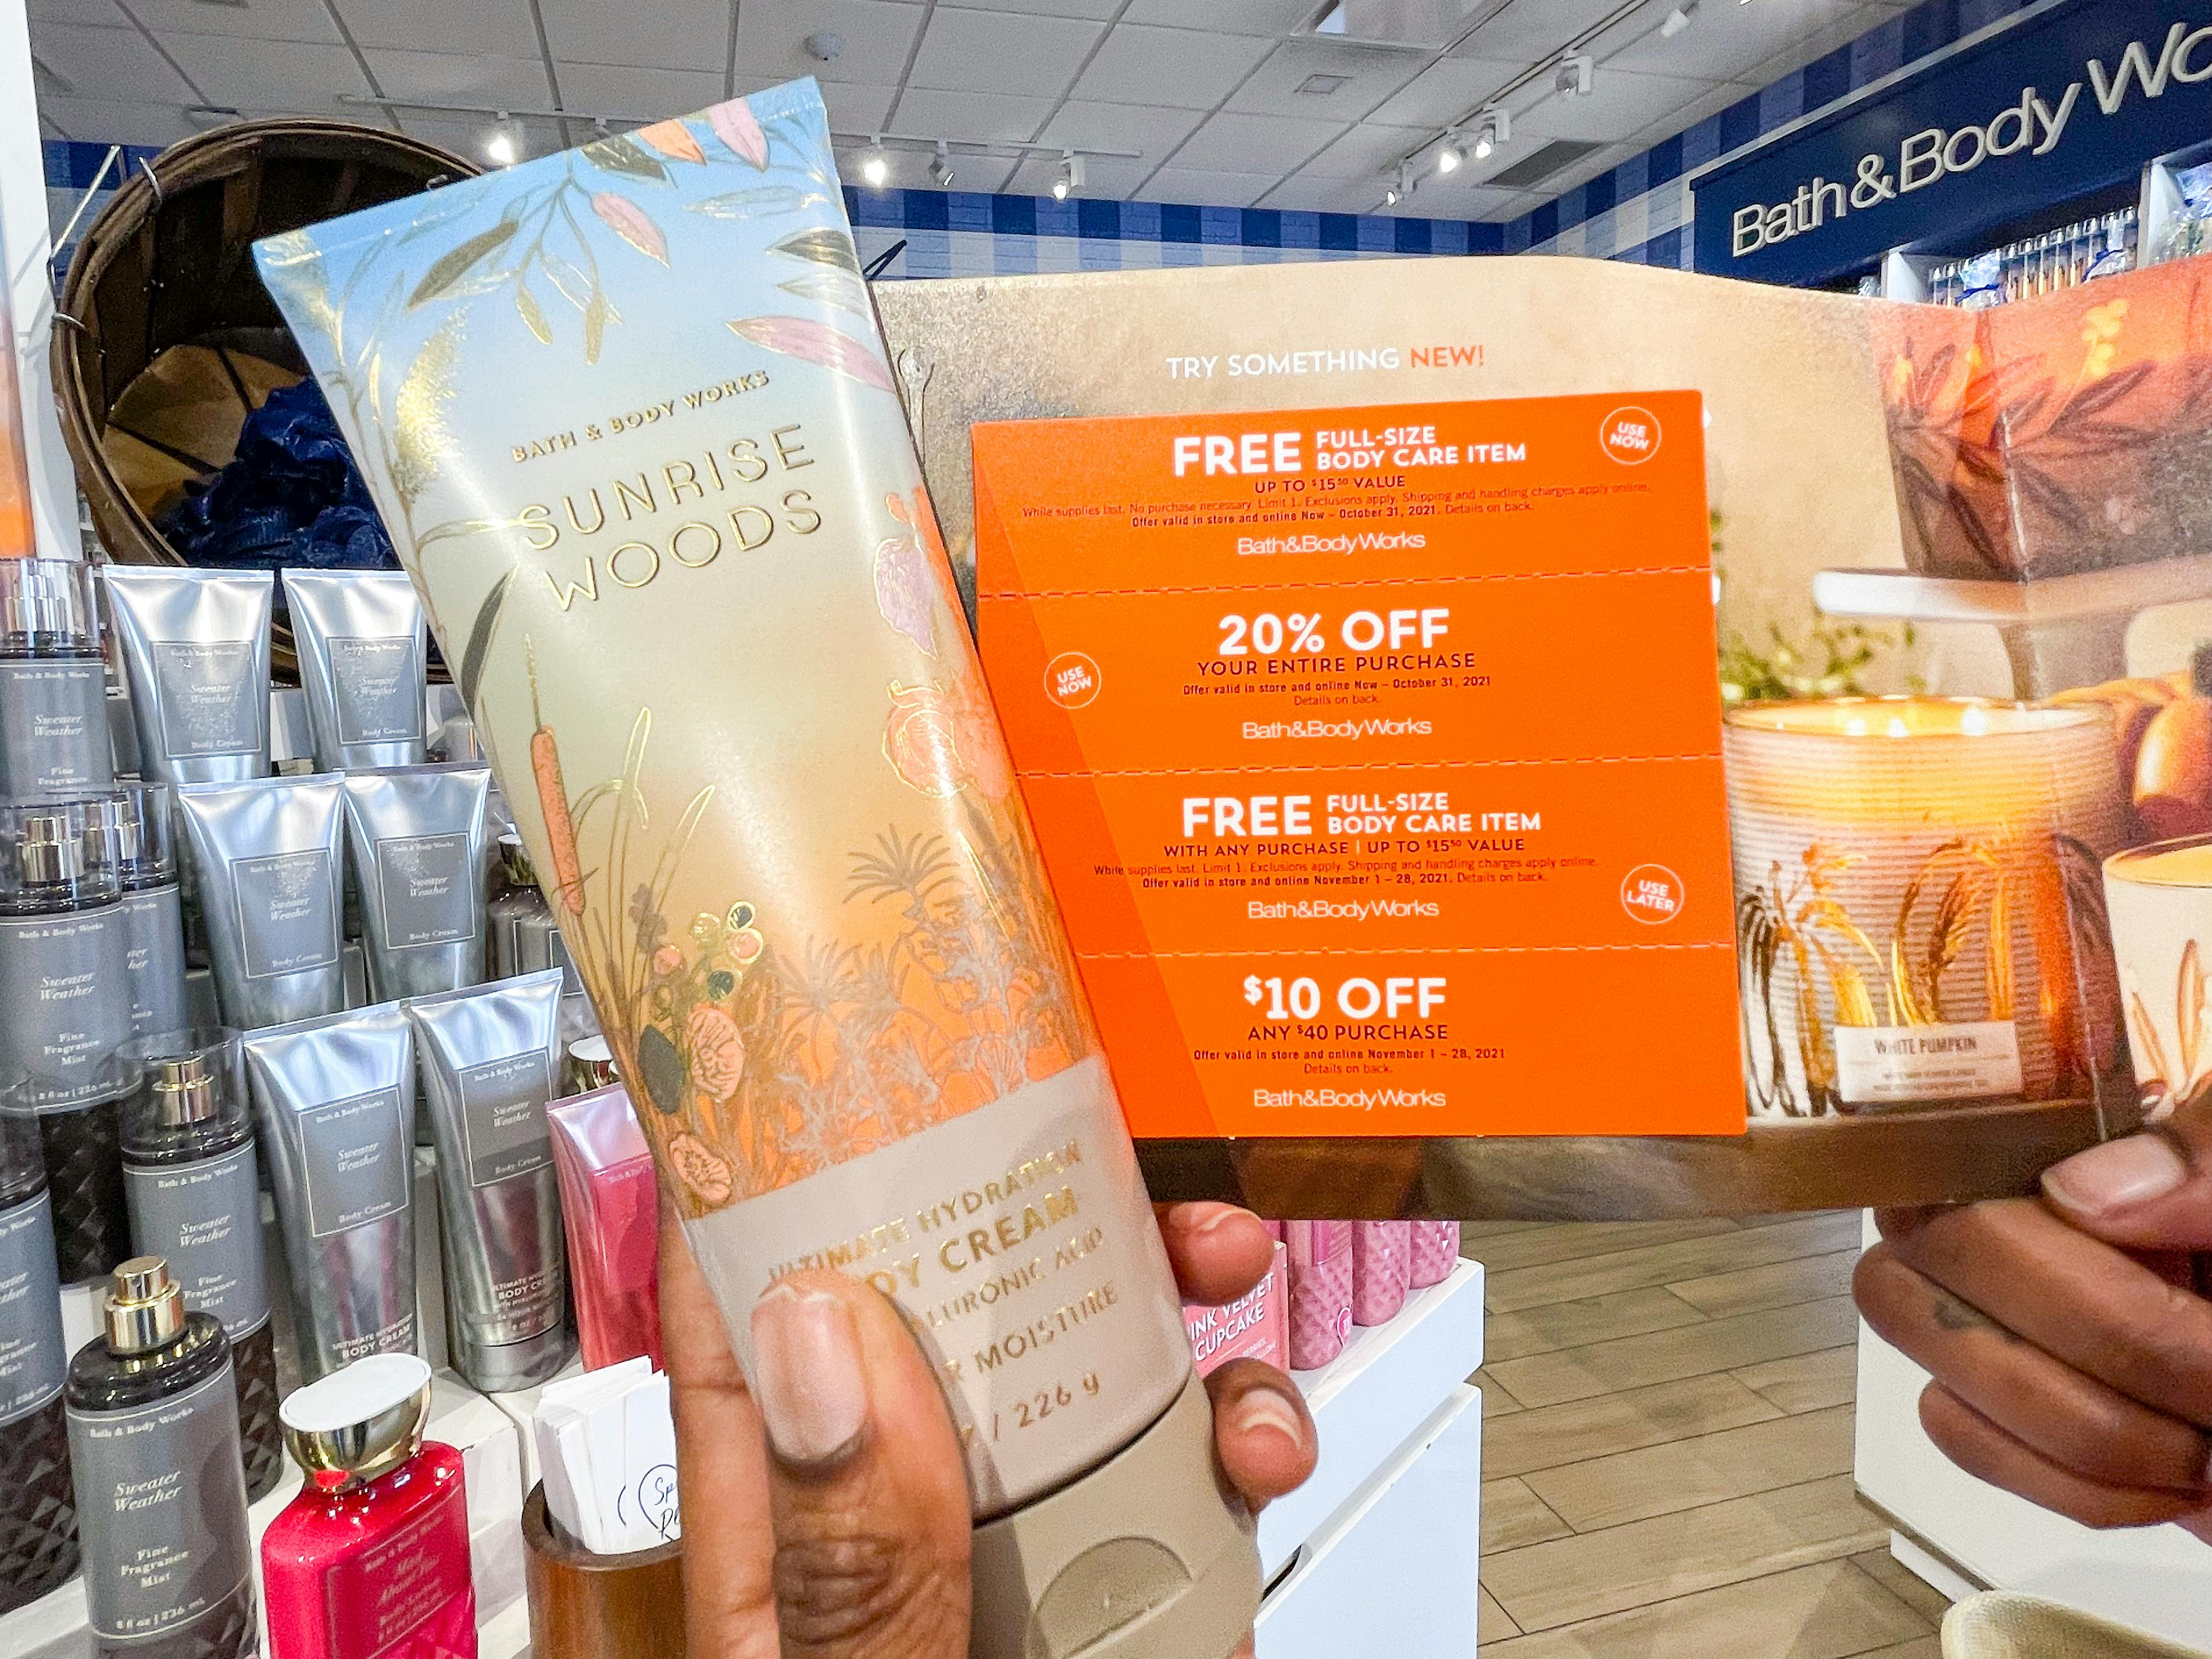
column 1338, row 851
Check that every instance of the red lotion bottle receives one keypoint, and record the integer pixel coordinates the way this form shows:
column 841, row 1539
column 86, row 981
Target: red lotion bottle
column 371, row 1561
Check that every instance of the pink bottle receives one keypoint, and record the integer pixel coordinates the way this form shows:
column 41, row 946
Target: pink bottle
column 371, row 1561
column 610, row 1205
column 1255, row 1326
column 1320, row 1254
column 1382, row 1268
column 1436, row 1252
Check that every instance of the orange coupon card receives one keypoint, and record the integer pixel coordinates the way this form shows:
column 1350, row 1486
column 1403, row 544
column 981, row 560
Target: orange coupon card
column 1375, row 754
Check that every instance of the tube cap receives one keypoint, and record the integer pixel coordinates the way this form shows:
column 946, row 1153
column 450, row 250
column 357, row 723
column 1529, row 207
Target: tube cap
column 1135, row 1561
column 504, row 1367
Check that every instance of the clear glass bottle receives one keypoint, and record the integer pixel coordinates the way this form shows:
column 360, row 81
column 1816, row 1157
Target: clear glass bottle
column 134, row 830
column 64, row 1013
column 152, row 1434
column 38, row 1507
column 53, row 686
column 371, row 1561
column 192, row 1174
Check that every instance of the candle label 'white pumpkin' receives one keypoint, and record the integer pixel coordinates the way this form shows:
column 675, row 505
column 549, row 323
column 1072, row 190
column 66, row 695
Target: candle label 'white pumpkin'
column 1879, row 1064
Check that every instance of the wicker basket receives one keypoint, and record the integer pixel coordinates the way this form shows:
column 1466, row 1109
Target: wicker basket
column 166, row 339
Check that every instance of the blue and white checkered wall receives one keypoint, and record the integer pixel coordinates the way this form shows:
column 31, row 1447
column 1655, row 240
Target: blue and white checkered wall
column 1639, row 210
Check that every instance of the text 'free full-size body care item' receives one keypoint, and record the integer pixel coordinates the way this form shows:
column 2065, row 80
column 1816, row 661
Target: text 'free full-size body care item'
column 334, row 1099
column 668, row 525
column 491, row 1064
column 161, row 1490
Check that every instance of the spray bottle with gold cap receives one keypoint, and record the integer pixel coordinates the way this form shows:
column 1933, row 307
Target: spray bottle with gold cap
column 372, row 1558
column 152, row 1433
column 190, row 1173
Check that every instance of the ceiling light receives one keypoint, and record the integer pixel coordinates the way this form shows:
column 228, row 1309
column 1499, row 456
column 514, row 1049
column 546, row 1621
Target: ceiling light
column 1483, row 143
column 1070, row 177
column 1678, row 19
column 499, row 148
column 1395, row 192
column 940, row 170
column 1577, row 77
column 1448, row 155
column 876, row 165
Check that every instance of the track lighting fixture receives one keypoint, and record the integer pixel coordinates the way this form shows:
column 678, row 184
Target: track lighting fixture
column 875, row 164
column 940, row 170
column 1070, row 177
column 1576, row 77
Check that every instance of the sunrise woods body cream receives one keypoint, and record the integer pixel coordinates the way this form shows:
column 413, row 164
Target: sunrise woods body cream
column 627, row 415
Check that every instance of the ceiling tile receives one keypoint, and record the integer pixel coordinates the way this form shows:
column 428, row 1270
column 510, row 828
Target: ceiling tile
column 1268, row 17
column 1140, row 64
column 1725, row 41
column 100, row 121
column 682, row 34
column 95, row 14
column 1000, row 51
column 1347, row 81
column 281, row 75
column 1275, row 144
column 1620, row 106
column 878, row 37
column 1529, row 31
column 1445, row 92
column 857, row 108
column 252, row 19
column 1306, row 195
column 1151, row 132
column 501, row 27
column 1098, row 8
column 109, row 66
column 1206, row 189
column 450, row 77
column 976, row 116
column 1368, row 151
column 624, row 89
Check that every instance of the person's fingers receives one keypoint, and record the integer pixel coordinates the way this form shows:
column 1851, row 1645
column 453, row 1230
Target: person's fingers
column 2075, row 1297
column 866, row 1484
column 2072, row 1420
column 1218, row 1251
column 1986, row 1451
column 2152, row 1188
column 722, row 1463
column 1263, row 1434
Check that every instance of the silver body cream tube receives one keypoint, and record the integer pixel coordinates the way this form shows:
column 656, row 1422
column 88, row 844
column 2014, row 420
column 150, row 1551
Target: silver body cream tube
column 360, row 635
column 491, row 1064
column 195, row 647
column 416, row 835
column 268, row 856
column 334, row 1100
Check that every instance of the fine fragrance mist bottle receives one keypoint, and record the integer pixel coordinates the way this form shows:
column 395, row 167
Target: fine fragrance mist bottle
column 38, row 1509
column 189, row 1172
column 64, row 1012
column 134, row 831
column 161, row 1495
column 53, row 686
column 371, row 1561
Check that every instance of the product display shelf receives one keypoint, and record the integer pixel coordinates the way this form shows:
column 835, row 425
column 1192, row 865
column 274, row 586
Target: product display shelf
column 1370, row 1403
column 54, row 1627
column 2058, row 631
column 1962, row 1534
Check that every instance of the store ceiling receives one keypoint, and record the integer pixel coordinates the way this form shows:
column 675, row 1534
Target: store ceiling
column 1224, row 102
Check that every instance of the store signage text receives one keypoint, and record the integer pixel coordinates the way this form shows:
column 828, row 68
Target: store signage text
column 2034, row 126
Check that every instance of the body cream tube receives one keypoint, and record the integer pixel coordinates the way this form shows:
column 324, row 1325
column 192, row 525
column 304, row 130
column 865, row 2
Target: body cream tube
column 491, row 1064
column 677, row 541
column 334, row 1099
column 195, row 647
column 416, row 839
column 268, row 857
column 360, row 635
column 610, row 1210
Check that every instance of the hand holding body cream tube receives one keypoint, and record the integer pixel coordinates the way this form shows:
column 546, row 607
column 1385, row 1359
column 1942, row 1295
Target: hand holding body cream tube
column 635, row 438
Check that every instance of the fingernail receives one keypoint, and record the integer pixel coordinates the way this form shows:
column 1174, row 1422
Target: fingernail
column 1263, row 1409
column 807, row 1376
column 1205, row 1218
column 2116, row 1174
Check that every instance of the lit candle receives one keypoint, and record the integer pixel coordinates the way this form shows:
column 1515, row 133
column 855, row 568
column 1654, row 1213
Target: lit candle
column 1918, row 919
column 2160, row 898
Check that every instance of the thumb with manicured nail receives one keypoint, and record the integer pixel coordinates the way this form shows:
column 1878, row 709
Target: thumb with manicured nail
column 2149, row 1190
column 868, row 1495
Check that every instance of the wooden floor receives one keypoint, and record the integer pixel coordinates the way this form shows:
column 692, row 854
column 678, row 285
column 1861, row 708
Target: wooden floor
column 1667, row 1447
